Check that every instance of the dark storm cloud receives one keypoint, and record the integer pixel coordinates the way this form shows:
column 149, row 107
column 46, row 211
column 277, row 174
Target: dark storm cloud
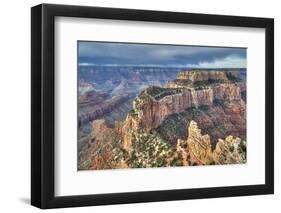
column 142, row 54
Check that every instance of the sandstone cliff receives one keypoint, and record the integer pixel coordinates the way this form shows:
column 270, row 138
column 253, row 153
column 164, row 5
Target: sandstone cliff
column 197, row 119
column 154, row 104
column 201, row 75
column 199, row 151
column 147, row 149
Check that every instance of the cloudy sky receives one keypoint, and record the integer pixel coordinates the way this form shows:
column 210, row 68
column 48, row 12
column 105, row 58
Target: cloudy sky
column 103, row 53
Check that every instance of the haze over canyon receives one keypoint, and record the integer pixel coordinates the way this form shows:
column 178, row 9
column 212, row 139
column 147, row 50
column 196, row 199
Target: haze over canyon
column 141, row 116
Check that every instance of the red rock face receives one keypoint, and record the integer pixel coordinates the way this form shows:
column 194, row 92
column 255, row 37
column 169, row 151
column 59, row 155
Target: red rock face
column 153, row 112
column 226, row 92
column 202, row 123
column 196, row 76
column 98, row 152
column 227, row 151
column 229, row 119
column 226, row 110
column 126, row 132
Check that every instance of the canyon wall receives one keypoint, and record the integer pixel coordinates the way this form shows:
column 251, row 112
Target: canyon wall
column 197, row 119
column 200, row 75
column 150, row 110
column 98, row 106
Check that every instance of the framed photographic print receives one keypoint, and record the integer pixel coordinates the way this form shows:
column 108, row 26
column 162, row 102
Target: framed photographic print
column 139, row 106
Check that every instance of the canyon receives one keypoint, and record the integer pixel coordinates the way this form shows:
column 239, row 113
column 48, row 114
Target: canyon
column 198, row 118
column 154, row 104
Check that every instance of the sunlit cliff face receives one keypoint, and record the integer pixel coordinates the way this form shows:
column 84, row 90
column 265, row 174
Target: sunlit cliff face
column 197, row 119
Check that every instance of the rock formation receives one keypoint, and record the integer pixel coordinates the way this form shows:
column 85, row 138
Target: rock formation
column 199, row 146
column 200, row 75
column 197, row 119
column 229, row 151
column 154, row 104
column 223, row 104
column 94, row 106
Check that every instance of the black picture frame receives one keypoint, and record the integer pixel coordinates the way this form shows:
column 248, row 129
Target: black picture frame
column 43, row 102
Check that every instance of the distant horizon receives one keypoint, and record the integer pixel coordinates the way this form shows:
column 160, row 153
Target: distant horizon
column 114, row 54
column 155, row 65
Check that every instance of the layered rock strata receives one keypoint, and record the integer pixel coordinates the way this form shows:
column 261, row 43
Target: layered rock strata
column 199, row 151
column 197, row 119
column 154, row 104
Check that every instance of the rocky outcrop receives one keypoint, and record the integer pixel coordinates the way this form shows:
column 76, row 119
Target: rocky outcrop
column 221, row 119
column 127, row 132
column 199, row 151
column 151, row 113
column 226, row 92
column 147, row 149
column 221, row 109
column 104, row 150
column 199, row 146
column 154, row 104
column 201, row 75
column 230, row 151
column 197, row 119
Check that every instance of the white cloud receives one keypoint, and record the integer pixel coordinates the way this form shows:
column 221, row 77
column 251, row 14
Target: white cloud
column 228, row 62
